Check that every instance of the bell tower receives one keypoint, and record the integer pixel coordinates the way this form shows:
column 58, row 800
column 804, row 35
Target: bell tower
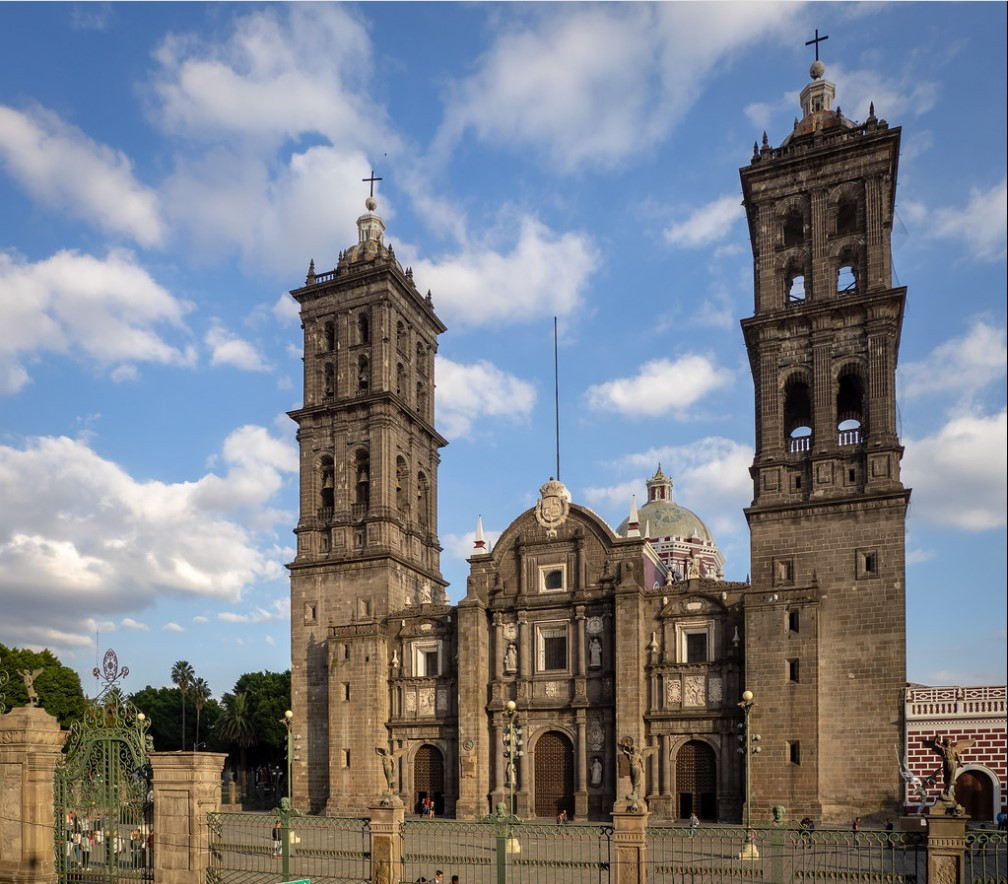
column 367, row 541
column 825, row 618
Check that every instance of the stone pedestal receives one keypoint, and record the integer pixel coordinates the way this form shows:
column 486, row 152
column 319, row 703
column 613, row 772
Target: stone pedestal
column 30, row 745
column 629, row 847
column 186, row 789
column 386, row 842
column 946, row 849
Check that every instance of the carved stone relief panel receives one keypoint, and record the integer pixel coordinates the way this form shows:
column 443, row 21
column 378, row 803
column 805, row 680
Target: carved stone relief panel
column 673, row 691
column 426, row 700
column 442, row 700
column 596, row 733
column 693, row 691
column 715, row 690
column 410, row 702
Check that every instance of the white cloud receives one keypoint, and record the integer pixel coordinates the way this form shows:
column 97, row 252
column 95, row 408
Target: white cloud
column 460, row 546
column 226, row 348
column 200, row 619
column 467, row 393
column 80, row 536
column 278, row 611
column 544, row 274
column 172, row 627
column 980, row 225
column 287, row 311
column 130, row 623
column 108, row 310
column 707, row 224
column 958, row 474
column 593, row 84
column 661, row 386
column 67, row 171
column 963, row 365
column 919, row 556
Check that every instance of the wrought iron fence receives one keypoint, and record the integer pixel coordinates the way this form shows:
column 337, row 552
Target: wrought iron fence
column 250, row 848
column 680, row 855
column 986, row 857
column 509, row 850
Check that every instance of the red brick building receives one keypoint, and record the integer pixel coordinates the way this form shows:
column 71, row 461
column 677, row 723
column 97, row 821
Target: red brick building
column 960, row 713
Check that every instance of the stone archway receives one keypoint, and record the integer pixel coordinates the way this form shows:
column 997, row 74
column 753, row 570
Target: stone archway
column 696, row 781
column 975, row 792
column 554, row 775
column 428, row 778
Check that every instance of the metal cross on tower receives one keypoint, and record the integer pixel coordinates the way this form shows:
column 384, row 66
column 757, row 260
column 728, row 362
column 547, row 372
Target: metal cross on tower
column 372, row 179
column 816, row 41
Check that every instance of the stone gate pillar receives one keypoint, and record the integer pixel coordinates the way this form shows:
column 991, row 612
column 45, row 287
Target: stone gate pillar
column 30, row 745
column 386, row 841
column 946, row 849
column 187, row 786
column 629, row 847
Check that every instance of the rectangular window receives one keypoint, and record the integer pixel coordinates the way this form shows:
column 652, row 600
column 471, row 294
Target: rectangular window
column 430, row 663
column 696, row 647
column 867, row 563
column 552, row 648
column 346, row 690
column 346, row 758
column 792, row 621
column 310, row 612
column 783, row 572
column 427, row 658
column 552, row 578
column 793, row 670
column 794, row 752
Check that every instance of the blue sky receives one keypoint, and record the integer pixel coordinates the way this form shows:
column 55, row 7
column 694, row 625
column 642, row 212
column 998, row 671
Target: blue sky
column 168, row 171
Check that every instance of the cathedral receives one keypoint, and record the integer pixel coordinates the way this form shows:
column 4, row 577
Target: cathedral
column 603, row 638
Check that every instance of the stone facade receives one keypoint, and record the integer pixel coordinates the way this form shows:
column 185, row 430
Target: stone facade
column 825, row 622
column 586, row 631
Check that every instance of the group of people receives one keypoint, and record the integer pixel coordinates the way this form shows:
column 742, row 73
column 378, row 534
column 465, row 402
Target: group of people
column 437, row 879
column 85, row 837
column 426, row 807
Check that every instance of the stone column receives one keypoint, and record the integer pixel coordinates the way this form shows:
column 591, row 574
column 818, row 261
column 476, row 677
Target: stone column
column 386, row 842
column 30, row 745
column 581, row 768
column 186, row 789
column 946, row 849
column 629, row 847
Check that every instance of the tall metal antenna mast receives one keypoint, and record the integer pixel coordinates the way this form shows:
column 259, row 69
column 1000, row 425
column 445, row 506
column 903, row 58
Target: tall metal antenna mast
column 556, row 394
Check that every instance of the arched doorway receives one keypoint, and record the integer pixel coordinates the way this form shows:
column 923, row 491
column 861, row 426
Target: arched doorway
column 554, row 775
column 696, row 781
column 975, row 792
column 428, row 778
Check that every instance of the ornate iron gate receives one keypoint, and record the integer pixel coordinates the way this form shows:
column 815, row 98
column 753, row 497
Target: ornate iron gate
column 102, row 797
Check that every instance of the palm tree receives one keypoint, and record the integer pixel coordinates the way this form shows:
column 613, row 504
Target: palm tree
column 235, row 726
column 200, row 695
column 182, row 675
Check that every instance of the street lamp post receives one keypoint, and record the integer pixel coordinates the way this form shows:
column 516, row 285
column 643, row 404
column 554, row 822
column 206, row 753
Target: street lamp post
column 747, row 738
column 292, row 746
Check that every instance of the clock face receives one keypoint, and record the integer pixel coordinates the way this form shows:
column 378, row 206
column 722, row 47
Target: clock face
column 594, row 625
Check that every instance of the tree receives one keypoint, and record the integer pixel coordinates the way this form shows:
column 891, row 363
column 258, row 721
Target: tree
column 235, row 726
column 163, row 706
column 269, row 696
column 201, row 694
column 182, row 675
column 58, row 687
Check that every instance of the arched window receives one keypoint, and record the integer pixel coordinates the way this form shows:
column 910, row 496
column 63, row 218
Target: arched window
column 400, row 380
column 794, row 228
column 401, row 341
column 798, row 414
column 329, row 374
column 402, row 484
column 363, row 374
column 421, row 398
column 326, row 475
column 421, row 362
column 363, row 329
column 796, row 288
column 846, row 216
column 850, row 408
column 329, row 336
column 362, row 474
column 847, row 272
column 423, row 499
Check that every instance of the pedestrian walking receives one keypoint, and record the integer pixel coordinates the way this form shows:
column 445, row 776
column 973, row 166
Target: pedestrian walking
column 277, row 838
column 694, row 822
column 856, row 828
